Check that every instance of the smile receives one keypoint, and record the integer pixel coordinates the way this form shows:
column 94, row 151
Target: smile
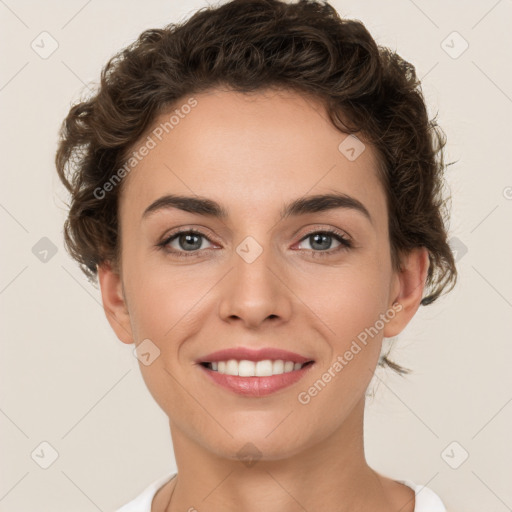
column 255, row 378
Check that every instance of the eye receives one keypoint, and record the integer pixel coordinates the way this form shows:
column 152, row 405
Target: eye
column 322, row 240
column 188, row 241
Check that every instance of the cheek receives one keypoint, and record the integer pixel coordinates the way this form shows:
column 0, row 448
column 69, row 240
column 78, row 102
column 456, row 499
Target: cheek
column 354, row 339
column 350, row 304
column 165, row 301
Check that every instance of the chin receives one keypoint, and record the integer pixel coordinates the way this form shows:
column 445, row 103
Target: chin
column 250, row 448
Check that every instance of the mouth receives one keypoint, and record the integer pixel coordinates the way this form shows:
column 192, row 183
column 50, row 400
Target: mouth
column 254, row 379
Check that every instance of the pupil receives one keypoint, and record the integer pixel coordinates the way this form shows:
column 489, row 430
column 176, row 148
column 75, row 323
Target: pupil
column 188, row 239
column 322, row 236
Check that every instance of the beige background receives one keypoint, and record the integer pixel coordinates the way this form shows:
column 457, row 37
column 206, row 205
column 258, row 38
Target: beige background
column 66, row 380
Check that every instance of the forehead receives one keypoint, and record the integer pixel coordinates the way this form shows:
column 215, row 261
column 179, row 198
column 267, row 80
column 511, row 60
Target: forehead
column 248, row 151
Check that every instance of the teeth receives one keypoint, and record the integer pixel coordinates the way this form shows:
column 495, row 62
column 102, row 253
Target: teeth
column 245, row 368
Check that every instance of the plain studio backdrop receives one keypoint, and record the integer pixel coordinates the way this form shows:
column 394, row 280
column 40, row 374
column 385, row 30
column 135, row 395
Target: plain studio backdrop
column 71, row 391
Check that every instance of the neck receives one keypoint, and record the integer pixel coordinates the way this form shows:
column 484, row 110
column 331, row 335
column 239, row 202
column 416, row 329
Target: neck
column 330, row 473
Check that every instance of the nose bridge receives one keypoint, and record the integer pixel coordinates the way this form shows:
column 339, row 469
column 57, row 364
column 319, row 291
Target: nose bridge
column 253, row 260
column 252, row 291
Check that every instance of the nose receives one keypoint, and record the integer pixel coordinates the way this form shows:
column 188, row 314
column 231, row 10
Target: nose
column 256, row 289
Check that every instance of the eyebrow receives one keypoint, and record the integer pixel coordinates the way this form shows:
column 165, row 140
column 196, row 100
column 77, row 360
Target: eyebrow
column 301, row 206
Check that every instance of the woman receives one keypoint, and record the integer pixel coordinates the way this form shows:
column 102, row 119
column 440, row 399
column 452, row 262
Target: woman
column 258, row 193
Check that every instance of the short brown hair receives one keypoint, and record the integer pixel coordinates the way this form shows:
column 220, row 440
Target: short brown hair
column 251, row 45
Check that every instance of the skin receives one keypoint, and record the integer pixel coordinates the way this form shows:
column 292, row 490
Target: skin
column 254, row 153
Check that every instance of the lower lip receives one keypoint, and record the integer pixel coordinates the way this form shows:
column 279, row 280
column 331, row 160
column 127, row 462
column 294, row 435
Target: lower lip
column 256, row 386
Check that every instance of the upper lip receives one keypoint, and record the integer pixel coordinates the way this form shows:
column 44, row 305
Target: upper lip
column 243, row 353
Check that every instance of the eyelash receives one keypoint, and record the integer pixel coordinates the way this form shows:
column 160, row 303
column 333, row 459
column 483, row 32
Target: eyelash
column 345, row 243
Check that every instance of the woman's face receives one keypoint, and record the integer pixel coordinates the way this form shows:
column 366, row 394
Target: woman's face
column 254, row 279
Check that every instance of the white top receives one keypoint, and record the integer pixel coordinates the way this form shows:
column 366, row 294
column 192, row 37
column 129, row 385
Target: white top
column 426, row 499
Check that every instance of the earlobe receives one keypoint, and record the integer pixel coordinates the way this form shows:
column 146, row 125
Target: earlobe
column 114, row 302
column 411, row 281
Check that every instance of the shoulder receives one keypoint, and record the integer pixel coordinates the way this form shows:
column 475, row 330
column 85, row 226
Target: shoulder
column 426, row 499
column 143, row 501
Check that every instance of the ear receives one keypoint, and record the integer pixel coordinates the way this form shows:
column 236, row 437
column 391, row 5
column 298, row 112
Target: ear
column 114, row 302
column 408, row 286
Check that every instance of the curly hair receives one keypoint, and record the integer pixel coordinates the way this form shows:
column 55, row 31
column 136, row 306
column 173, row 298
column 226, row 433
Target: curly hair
column 251, row 45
